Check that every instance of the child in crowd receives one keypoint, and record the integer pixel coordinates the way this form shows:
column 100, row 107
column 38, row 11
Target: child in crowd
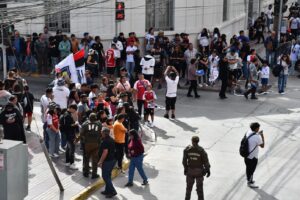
column 149, row 97
column 265, row 74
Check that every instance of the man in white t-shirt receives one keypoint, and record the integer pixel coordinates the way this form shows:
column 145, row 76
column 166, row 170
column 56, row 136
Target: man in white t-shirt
column 269, row 14
column 61, row 94
column 130, row 50
column 294, row 25
column 147, row 64
column 295, row 50
column 172, row 79
column 255, row 140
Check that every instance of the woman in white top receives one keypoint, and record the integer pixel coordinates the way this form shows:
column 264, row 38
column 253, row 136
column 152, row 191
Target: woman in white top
column 284, row 61
column 203, row 39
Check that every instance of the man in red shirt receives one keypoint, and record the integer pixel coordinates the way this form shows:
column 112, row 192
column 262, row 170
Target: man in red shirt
column 139, row 88
column 110, row 61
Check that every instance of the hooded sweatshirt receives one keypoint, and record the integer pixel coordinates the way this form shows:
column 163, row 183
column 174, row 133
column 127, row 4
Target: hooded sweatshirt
column 148, row 63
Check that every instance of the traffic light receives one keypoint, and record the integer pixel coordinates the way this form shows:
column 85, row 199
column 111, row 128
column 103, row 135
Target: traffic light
column 120, row 10
column 277, row 6
column 8, row 31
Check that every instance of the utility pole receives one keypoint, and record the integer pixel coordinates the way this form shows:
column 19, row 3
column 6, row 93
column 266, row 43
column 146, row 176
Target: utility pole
column 279, row 20
column 3, row 48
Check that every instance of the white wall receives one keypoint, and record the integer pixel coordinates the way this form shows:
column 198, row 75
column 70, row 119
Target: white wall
column 100, row 19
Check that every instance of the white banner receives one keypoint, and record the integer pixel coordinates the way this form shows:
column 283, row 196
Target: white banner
column 67, row 65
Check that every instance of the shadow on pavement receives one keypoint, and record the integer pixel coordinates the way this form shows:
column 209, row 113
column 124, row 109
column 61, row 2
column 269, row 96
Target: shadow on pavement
column 184, row 126
column 263, row 195
column 161, row 133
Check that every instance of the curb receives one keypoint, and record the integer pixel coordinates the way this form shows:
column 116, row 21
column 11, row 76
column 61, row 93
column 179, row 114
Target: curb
column 88, row 191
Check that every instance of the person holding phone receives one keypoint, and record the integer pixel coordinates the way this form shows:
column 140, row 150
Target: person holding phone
column 255, row 140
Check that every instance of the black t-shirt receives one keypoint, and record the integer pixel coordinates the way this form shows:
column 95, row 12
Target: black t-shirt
column 108, row 143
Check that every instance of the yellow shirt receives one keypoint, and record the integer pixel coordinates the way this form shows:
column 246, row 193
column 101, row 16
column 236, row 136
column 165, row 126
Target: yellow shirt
column 119, row 132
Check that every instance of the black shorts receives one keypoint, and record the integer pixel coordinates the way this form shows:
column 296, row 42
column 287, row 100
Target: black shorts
column 110, row 70
column 148, row 77
column 170, row 103
column 148, row 111
column 233, row 74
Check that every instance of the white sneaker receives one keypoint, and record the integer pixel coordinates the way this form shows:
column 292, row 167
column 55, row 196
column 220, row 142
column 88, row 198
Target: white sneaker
column 151, row 124
column 205, row 84
column 73, row 166
column 200, row 85
column 252, row 185
column 55, row 155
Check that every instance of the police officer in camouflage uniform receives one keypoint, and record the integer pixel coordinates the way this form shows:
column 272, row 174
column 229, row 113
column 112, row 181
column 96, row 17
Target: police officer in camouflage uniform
column 91, row 136
column 196, row 166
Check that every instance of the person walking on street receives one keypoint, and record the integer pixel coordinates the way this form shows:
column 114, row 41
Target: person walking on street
column 107, row 162
column 196, row 166
column 90, row 134
column 284, row 61
column 136, row 154
column 253, row 79
column 119, row 133
column 223, row 75
column 172, row 79
column 192, row 77
column 255, row 140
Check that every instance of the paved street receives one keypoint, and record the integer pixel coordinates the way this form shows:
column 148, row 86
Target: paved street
column 221, row 125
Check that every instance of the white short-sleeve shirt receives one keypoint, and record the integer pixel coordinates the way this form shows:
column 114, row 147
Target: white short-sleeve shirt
column 172, row 86
column 254, row 142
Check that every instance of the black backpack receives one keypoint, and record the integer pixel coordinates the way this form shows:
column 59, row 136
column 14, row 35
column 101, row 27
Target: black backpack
column 277, row 69
column 244, row 147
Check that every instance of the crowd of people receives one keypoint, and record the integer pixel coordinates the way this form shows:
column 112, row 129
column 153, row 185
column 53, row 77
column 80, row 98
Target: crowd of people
column 102, row 117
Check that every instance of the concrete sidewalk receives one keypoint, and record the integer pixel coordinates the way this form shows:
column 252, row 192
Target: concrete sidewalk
column 42, row 184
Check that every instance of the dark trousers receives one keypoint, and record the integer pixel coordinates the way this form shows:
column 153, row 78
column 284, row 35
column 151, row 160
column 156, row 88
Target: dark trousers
column 250, row 168
column 223, row 87
column 259, row 35
column 90, row 152
column 70, row 151
column 119, row 153
column 252, row 90
column 140, row 105
column 46, row 137
column 193, row 87
column 107, row 168
column 191, row 176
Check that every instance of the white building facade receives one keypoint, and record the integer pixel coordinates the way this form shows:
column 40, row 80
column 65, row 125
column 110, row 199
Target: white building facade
column 171, row 16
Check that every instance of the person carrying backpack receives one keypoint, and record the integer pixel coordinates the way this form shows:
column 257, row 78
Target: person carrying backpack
column 249, row 150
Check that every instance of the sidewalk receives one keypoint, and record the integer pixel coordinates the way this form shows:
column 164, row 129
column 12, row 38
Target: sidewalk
column 42, row 184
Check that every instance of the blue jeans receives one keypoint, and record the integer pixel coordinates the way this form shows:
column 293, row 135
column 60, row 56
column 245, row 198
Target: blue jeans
column 63, row 141
column 270, row 56
column 130, row 68
column 54, row 61
column 282, row 79
column 136, row 162
column 11, row 62
column 30, row 63
column 245, row 70
column 53, row 141
column 107, row 168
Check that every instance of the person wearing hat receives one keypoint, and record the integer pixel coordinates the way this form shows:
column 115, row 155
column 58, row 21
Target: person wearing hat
column 92, row 63
column 90, row 135
column 61, row 94
column 107, row 162
column 196, row 166
column 12, row 122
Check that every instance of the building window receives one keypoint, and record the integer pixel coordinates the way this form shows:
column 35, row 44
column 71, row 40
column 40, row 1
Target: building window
column 225, row 10
column 160, row 14
column 59, row 20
